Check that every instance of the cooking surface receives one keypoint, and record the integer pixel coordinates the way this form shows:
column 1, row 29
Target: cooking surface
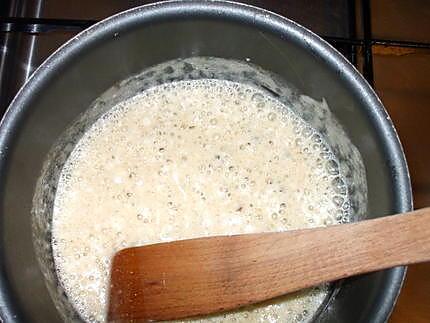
column 400, row 71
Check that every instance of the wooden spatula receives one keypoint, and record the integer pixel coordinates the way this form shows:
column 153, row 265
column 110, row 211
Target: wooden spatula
column 200, row 276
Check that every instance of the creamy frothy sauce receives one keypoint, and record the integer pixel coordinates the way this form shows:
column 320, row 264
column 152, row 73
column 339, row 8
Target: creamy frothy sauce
column 184, row 160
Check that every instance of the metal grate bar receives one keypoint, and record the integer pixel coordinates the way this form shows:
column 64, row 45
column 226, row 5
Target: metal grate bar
column 42, row 25
column 352, row 19
column 367, row 44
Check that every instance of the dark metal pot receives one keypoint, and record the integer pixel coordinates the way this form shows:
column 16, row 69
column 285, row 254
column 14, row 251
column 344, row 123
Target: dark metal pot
column 112, row 50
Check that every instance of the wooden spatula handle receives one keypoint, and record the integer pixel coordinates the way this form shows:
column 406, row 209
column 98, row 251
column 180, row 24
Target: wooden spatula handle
column 219, row 273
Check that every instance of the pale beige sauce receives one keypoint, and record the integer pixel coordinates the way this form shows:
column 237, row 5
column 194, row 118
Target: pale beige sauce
column 190, row 159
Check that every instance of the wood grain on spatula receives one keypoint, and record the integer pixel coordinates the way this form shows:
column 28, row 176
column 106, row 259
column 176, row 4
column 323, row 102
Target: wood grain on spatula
column 206, row 275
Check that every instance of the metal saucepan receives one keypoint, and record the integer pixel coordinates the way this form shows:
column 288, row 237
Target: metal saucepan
column 118, row 47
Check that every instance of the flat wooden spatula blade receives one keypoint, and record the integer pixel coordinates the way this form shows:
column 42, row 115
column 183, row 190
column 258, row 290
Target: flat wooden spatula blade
column 187, row 278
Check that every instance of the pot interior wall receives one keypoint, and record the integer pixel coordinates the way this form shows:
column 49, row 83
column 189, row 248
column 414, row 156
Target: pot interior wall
column 63, row 90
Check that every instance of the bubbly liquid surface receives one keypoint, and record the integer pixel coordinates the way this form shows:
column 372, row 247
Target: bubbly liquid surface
column 184, row 160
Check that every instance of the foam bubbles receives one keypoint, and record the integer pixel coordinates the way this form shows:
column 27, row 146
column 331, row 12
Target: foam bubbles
column 188, row 159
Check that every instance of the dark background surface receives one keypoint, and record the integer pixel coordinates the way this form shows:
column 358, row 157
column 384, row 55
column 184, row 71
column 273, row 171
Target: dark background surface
column 388, row 41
